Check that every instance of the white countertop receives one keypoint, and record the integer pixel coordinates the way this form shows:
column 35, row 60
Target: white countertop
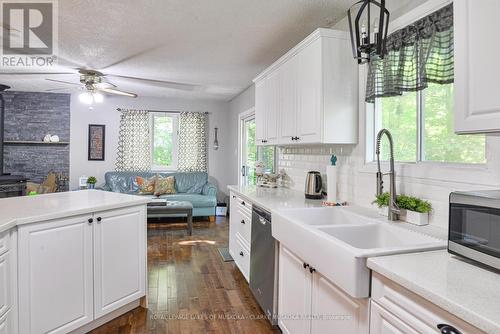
column 469, row 292
column 31, row 209
column 275, row 198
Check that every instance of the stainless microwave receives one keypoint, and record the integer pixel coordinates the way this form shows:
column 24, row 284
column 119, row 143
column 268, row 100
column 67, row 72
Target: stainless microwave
column 474, row 226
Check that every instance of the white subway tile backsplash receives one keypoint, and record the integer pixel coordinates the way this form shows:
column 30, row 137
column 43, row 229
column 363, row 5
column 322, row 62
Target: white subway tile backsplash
column 358, row 187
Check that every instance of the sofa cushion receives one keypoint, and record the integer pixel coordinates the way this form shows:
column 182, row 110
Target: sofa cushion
column 164, row 185
column 146, row 185
column 190, row 183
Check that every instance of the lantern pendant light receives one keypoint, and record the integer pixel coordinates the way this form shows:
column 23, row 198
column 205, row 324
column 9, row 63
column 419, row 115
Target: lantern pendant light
column 368, row 35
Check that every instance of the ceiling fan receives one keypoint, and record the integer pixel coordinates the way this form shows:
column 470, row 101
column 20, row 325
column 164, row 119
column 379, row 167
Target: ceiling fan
column 94, row 85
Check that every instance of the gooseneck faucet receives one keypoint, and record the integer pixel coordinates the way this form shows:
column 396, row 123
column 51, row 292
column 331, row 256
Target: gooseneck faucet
column 394, row 210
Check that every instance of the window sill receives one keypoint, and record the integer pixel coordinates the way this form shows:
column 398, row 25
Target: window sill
column 163, row 170
column 470, row 174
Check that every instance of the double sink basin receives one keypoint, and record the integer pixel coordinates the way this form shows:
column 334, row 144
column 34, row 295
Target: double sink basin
column 336, row 241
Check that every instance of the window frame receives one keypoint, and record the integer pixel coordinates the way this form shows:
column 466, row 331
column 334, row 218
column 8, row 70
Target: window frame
column 175, row 142
column 420, row 133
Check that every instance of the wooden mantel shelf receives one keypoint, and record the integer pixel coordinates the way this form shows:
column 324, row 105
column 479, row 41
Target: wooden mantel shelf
column 32, row 142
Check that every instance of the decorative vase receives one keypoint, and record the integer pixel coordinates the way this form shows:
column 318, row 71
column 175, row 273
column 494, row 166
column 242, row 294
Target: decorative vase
column 415, row 218
column 91, row 185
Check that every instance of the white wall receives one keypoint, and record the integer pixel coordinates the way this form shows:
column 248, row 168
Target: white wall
column 241, row 103
column 107, row 114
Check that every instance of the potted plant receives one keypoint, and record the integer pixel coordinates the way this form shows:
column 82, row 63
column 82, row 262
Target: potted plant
column 91, row 181
column 414, row 210
column 382, row 202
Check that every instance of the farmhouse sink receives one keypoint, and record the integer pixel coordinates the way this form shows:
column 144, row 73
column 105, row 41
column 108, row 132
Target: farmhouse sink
column 377, row 239
column 331, row 215
column 336, row 241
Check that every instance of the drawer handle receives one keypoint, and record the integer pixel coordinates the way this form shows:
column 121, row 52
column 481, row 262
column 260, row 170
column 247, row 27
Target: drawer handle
column 241, row 253
column 242, row 221
column 311, row 270
column 99, row 219
column 305, row 265
column 90, row 220
column 447, row 329
column 243, row 203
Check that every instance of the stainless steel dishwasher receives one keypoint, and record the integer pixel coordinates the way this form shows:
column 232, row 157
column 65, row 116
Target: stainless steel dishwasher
column 264, row 264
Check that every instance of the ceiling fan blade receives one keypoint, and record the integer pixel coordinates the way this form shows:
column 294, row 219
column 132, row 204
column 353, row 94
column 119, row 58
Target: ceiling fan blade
column 104, row 85
column 169, row 84
column 117, row 92
column 64, row 82
column 57, row 89
column 34, row 73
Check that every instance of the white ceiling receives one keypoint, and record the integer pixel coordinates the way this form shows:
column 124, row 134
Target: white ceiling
column 219, row 45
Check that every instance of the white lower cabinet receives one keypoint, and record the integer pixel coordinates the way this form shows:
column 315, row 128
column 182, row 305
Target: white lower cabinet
column 75, row 270
column 8, row 283
column 310, row 303
column 396, row 310
column 119, row 261
column 7, row 324
column 294, row 303
column 55, row 275
column 240, row 229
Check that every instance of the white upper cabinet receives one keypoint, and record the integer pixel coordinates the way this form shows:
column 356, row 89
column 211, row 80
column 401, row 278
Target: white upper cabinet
column 477, row 94
column 310, row 95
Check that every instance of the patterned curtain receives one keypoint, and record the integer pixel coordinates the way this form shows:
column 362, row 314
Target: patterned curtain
column 193, row 142
column 134, row 141
column 418, row 54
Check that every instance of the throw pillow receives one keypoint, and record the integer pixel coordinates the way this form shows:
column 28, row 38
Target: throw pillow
column 146, row 186
column 164, row 185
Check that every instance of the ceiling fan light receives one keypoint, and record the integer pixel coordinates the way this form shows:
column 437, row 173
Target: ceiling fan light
column 86, row 97
column 98, row 97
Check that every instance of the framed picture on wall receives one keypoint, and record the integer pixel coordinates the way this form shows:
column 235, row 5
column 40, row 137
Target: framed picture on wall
column 97, row 135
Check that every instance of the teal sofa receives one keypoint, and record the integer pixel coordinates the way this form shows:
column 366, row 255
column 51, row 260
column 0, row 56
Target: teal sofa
column 191, row 187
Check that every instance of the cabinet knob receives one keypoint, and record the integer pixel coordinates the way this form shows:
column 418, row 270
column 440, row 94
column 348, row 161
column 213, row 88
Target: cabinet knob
column 447, row 329
column 242, row 221
column 243, row 203
column 305, row 265
column 99, row 219
column 90, row 220
column 311, row 270
column 241, row 253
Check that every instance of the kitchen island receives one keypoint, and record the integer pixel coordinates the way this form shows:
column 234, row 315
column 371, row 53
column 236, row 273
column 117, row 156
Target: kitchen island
column 71, row 261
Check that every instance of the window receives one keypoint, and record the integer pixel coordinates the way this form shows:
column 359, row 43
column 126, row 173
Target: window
column 251, row 153
column 422, row 126
column 164, row 132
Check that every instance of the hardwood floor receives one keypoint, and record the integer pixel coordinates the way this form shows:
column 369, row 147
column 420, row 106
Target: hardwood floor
column 191, row 290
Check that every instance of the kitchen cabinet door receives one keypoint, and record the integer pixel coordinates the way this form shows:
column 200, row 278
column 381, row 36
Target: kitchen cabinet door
column 294, row 296
column 273, row 102
column 383, row 322
column 119, row 258
column 55, row 275
column 477, row 99
column 309, row 93
column 289, row 100
column 6, row 291
column 333, row 311
column 260, row 112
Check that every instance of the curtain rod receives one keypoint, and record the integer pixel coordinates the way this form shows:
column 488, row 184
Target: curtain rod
column 166, row 111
